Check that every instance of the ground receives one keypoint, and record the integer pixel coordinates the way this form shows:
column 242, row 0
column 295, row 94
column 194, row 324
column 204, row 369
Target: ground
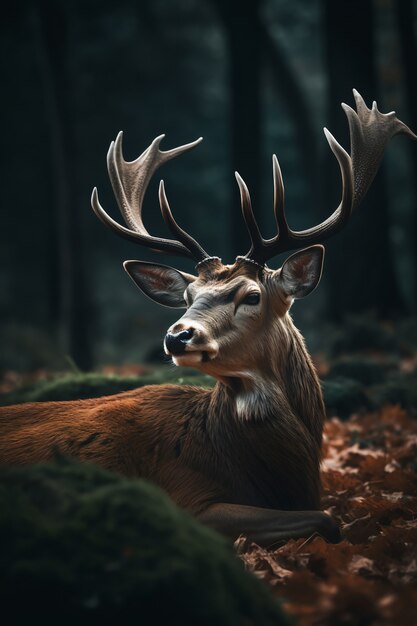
column 370, row 486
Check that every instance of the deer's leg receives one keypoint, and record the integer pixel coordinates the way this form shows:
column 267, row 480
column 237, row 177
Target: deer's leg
column 268, row 526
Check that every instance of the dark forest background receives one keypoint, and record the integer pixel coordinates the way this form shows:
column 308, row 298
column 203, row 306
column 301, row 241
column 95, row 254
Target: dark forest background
column 252, row 78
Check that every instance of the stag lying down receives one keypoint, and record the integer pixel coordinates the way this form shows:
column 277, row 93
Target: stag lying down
column 243, row 457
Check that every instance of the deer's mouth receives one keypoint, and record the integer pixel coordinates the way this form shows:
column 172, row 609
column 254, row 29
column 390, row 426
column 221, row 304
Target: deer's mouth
column 193, row 358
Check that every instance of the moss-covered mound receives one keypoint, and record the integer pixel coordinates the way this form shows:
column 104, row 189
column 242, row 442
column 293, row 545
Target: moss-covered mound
column 81, row 543
column 364, row 333
column 400, row 389
column 79, row 386
column 343, row 396
column 365, row 370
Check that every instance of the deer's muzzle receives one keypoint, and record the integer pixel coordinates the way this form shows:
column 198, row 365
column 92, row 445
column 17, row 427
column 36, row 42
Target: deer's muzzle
column 175, row 343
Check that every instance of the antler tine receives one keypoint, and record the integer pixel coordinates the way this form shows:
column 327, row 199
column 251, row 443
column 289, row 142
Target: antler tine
column 287, row 239
column 370, row 130
column 189, row 242
column 257, row 242
column 130, row 180
column 279, row 209
column 337, row 220
column 156, row 243
column 261, row 248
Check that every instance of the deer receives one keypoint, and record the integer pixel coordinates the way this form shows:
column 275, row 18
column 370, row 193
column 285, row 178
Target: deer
column 243, row 457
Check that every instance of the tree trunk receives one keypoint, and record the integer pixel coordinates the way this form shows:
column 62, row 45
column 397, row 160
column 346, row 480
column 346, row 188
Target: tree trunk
column 408, row 43
column 241, row 23
column 66, row 273
column 359, row 264
column 290, row 92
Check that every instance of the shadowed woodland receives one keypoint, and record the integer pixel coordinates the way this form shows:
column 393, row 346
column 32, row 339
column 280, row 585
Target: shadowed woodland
column 253, row 78
column 263, row 83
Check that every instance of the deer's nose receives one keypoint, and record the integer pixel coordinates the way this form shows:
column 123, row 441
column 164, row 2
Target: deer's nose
column 175, row 342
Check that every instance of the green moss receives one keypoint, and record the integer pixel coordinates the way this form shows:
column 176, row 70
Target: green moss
column 92, row 385
column 79, row 542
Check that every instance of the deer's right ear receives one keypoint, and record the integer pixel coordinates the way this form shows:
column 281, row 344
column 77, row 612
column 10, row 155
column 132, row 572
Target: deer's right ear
column 161, row 283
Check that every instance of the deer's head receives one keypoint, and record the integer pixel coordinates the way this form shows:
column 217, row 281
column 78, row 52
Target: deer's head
column 236, row 314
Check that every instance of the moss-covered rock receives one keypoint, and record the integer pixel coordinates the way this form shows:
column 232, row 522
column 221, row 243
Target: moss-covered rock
column 78, row 542
column 78, row 386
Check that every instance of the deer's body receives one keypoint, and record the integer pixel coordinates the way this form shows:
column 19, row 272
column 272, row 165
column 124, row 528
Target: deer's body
column 193, row 442
column 245, row 456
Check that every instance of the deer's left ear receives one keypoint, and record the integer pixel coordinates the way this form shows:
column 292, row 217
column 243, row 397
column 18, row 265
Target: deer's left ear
column 161, row 283
column 301, row 272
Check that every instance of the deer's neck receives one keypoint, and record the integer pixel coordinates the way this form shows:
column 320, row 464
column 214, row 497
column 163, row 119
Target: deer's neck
column 284, row 384
column 266, row 426
column 271, row 425
column 302, row 386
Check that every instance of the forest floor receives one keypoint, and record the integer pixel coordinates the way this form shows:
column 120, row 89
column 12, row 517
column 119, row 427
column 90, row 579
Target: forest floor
column 369, row 473
column 370, row 487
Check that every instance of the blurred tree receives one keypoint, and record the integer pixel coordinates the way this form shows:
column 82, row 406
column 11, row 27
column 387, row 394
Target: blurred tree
column 369, row 281
column 241, row 26
column 66, row 281
column 251, row 46
column 289, row 90
column 406, row 15
column 75, row 73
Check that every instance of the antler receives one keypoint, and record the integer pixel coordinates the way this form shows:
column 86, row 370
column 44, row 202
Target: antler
column 130, row 180
column 370, row 130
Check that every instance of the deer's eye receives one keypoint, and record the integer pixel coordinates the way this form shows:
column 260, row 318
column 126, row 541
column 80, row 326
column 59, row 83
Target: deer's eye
column 252, row 299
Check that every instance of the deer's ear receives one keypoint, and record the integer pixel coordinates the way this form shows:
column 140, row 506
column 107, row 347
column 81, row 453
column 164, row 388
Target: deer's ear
column 301, row 272
column 161, row 283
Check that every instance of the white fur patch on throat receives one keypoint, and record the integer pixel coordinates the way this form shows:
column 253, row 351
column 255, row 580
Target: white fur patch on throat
column 251, row 405
column 257, row 401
